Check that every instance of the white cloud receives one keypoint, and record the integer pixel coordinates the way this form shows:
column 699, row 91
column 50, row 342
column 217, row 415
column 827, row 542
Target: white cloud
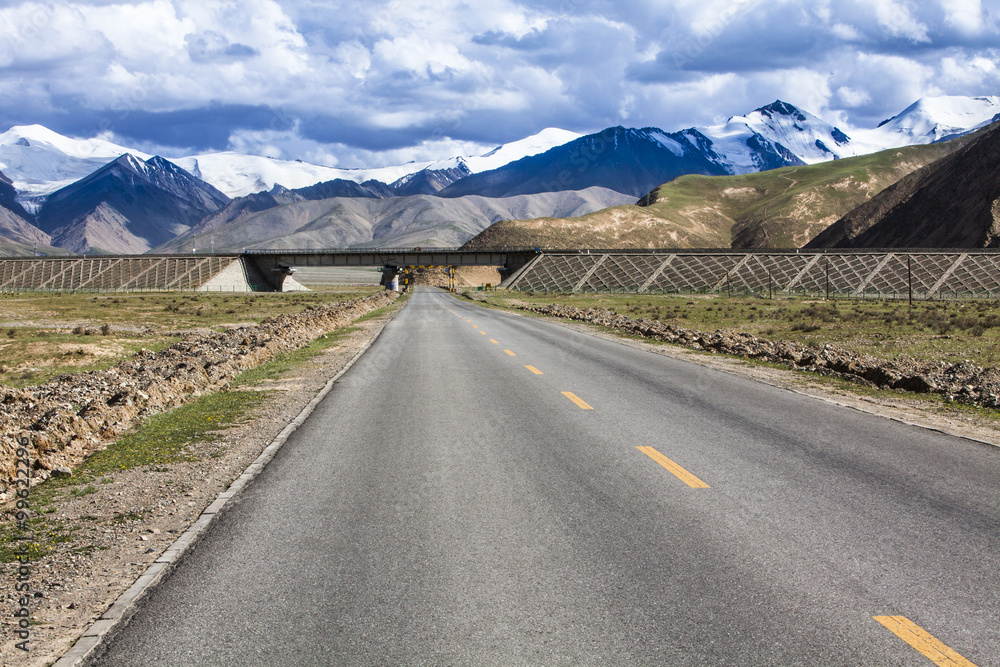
column 387, row 79
column 852, row 97
column 845, row 32
column 964, row 73
column 897, row 19
column 964, row 15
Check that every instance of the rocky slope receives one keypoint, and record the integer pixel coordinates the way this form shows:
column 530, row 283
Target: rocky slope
column 15, row 225
column 71, row 416
column 952, row 203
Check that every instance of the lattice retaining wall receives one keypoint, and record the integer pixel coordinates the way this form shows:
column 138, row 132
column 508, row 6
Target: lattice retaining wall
column 925, row 274
column 111, row 274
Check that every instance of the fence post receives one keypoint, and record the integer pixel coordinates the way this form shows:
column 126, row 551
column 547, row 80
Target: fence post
column 909, row 279
column 828, row 278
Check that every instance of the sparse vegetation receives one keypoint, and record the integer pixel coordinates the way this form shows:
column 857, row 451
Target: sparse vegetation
column 61, row 322
column 930, row 330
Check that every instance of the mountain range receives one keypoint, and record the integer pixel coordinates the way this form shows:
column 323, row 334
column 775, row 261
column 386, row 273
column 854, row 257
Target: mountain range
column 129, row 205
column 95, row 196
column 778, row 208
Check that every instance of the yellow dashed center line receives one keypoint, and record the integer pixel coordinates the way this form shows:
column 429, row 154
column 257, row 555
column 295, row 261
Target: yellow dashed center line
column 678, row 471
column 576, row 399
column 474, row 326
column 494, row 342
column 930, row 646
column 483, row 332
column 534, row 370
column 510, row 353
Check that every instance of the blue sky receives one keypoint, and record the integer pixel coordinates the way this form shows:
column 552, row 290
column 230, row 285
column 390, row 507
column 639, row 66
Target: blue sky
column 367, row 83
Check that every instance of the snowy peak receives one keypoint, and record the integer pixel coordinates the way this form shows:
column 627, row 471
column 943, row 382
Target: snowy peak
column 128, row 205
column 238, row 175
column 40, row 161
column 779, row 108
column 783, row 132
column 932, row 119
column 502, row 155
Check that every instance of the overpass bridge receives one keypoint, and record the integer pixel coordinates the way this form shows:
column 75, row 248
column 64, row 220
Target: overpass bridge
column 281, row 263
column 885, row 273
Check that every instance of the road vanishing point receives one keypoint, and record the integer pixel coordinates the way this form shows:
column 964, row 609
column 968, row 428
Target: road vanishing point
column 483, row 488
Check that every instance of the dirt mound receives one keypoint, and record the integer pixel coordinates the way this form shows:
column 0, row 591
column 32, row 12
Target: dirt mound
column 70, row 417
column 964, row 381
column 474, row 276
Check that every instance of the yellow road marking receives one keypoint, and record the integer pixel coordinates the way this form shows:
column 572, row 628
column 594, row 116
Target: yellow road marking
column 483, row 332
column 534, row 370
column 576, row 399
column 474, row 326
column 494, row 342
column 923, row 641
column 678, row 471
column 510, row 353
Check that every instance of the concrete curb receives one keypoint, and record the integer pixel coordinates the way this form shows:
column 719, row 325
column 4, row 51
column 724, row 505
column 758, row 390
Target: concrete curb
column 116, row 617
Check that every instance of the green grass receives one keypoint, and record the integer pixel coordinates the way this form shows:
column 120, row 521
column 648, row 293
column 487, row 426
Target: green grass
column 164, row 438
column 287, row 361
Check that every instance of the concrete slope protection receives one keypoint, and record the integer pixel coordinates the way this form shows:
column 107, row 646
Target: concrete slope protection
column 484, row 488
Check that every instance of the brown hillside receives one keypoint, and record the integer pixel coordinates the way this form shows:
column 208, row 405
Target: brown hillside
column 781, row 208
column 952, row 203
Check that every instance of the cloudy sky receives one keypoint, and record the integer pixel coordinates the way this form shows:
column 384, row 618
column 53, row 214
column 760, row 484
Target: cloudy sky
column 368, row 83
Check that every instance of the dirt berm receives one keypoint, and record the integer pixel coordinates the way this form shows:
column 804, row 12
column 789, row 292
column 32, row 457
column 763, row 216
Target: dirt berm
column 963, row 381
column 72, row 416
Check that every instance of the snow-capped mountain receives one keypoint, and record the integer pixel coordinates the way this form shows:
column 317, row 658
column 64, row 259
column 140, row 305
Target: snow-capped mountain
column 14, row 220
column 504, row 154
column 803, row 135
column 627, row 160
column 127, row 206
column 932, row 119
column 238, row 175
column 40, row 161
column 439, row 175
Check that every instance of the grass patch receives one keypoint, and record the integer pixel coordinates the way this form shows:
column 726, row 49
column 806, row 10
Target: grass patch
column 392, row 307
column 165, row 438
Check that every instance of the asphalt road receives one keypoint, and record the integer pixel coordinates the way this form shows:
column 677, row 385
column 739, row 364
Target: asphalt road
column 448, row 505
